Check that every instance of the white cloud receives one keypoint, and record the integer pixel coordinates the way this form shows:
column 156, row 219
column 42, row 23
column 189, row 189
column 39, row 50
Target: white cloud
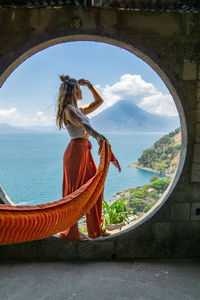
column 159, row 104
column 9, row 116
column 97, row 86
column 40, row 114
column 41, row 119
column 7, row 113
column 130, row 87
column 144, row 94
column 13, row 117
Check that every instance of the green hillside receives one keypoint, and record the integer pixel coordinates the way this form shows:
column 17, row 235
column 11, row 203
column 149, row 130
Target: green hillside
column 133, row 203
column 142, row 198
column 163, row 156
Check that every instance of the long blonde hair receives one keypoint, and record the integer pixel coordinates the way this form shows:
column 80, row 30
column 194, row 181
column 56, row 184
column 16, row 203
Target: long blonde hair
column 65, row 97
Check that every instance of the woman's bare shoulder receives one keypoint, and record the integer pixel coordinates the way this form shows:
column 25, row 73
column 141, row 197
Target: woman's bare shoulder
column 67, row 112
column 73, row 113
column 68, row 107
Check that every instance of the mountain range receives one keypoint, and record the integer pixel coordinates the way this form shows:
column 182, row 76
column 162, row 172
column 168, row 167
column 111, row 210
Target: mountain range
column 6, row 128
column 123, row 116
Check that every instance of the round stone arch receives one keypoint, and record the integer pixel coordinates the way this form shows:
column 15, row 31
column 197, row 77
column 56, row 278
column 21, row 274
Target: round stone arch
column 156, row 68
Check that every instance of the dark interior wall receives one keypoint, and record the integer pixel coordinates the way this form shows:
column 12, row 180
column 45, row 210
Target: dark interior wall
column 170, row 43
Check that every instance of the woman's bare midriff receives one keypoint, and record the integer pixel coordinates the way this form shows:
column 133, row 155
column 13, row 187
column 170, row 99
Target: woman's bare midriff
column 85, row 136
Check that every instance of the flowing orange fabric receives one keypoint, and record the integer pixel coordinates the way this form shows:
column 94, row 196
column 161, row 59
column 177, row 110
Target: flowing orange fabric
column 26, row 223
column 78, row 168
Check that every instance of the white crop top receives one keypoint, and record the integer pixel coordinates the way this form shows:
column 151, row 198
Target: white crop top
column 74, row 131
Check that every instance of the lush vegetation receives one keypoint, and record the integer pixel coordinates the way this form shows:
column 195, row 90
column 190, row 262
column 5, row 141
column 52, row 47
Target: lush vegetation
column 160, row 156
column 142, row 198
column 134, row 202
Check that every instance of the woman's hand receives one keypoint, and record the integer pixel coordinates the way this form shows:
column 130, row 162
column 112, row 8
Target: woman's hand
column 100, row 138
column 84, row 82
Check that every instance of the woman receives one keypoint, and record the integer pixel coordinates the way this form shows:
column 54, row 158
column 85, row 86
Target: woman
column 78, row 164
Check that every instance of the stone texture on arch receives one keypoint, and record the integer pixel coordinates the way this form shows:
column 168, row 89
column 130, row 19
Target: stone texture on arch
column 170, row 43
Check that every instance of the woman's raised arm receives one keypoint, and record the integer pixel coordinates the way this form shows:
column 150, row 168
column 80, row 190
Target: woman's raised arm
column 98, row 100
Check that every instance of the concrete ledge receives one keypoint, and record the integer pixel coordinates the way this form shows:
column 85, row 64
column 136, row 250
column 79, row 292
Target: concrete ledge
column 53, row 248
column 104, row 249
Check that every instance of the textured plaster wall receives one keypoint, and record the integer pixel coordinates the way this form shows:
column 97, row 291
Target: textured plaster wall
column 170, row 43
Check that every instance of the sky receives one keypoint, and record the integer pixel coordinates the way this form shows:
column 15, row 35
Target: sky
column 28, row 97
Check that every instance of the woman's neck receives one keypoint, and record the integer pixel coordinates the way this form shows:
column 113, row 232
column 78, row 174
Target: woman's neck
column 74, row 102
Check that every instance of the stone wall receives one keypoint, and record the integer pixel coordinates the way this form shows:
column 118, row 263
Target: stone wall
column 169, row 42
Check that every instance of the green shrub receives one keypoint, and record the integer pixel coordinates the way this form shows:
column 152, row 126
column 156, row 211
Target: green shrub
column 153, row 178
column 141, row 193
column 161, row 184
column 148, row 207
column 115, row 212
column 161, row 166
column 137, row 205
column 165, row 140
column 154, row 195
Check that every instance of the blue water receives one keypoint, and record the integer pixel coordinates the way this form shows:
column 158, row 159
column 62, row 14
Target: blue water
column 31, row 164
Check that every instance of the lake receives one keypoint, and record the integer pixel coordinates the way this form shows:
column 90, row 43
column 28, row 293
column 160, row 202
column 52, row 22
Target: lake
column 31, row 164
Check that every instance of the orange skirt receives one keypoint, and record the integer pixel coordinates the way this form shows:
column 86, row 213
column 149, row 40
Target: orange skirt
column 78, row 168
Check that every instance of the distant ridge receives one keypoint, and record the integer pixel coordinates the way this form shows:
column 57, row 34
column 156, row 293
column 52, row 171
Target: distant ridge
column 125, row 116
column 6, row 128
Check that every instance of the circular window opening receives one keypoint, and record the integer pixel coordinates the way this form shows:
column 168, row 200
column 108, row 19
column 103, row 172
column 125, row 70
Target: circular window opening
column 138, row 117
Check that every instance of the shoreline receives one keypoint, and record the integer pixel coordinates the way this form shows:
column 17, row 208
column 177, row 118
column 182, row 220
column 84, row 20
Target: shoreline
column 134, row 165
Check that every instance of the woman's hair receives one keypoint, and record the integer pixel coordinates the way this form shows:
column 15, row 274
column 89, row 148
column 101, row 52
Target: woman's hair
column 65, row 97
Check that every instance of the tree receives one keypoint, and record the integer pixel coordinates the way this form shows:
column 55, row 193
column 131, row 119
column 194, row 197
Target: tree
column 160, row 185
column 162, row 166
column 153, row 178
column 141, row 194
